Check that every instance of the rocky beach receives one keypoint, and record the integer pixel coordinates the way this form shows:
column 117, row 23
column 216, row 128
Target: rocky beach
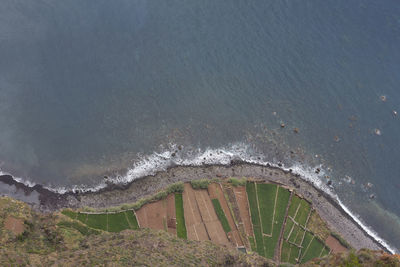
column 329, row 208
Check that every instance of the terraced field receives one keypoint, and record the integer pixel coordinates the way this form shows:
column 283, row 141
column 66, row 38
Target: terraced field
column 111, row 222
column 266, row 218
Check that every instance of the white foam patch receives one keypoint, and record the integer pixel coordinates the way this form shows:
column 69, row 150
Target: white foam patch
column 156, row 162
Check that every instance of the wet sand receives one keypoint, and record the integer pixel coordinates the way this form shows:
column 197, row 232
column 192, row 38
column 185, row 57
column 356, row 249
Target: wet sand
column 330, row 211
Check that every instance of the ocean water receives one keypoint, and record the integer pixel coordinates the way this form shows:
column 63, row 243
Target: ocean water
column 97, row 90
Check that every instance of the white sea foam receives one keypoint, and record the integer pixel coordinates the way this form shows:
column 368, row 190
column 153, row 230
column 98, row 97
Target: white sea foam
column 160, row 161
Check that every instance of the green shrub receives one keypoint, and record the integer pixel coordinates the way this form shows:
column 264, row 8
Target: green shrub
column 221, row 215
column 160, row 195
column 175, row 188
column 352, row 260
column 237, row 182
column 200, row 184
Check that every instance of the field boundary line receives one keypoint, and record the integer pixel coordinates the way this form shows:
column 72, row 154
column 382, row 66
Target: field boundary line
column 134, row 212
column 273, row 214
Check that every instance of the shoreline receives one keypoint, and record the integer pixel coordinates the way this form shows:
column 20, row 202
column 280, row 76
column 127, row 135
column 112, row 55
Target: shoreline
column 330, row 210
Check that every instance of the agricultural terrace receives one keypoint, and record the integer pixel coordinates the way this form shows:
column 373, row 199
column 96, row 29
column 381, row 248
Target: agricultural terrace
column 111, row 222
column 262, row 217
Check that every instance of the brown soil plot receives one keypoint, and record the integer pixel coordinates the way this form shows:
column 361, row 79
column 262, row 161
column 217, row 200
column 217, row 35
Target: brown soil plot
column 14, row 225
column 153, row 215
column 241, row 199
column 171, row 217
column 213, row 225
column 335, row 245
column 194, row 224
column 215, row 191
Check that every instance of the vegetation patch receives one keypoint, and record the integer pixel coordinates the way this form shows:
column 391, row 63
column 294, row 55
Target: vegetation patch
column 313, row 251
column 200, row 184
column 318, row 226
column 84, row 230
column 280, row 211
column 299, row 237
column 69, row 213
column 288, row 228
column 341, row 240
column 294, row 254
column 173, row 188
column 221, row 215
column 255, row 217
column 293, row 206
column 97, row 221
column 82, row 217
column 132, row 220
column 237, row 182
column 266, row 200
column 117, row 222
column 252, row 243
column 302, row 213
column 180, row 218
column 285, row 252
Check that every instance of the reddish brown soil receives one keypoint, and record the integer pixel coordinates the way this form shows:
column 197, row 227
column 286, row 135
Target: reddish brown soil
column 241, row 199
column 14, row 225
column 171, row 218
column 194, row 224
column 215, row 191
column 153, row 215
column 335, row 245
column 213, row 225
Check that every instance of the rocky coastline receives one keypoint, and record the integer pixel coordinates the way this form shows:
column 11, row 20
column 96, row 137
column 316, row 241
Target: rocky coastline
column 113, row 195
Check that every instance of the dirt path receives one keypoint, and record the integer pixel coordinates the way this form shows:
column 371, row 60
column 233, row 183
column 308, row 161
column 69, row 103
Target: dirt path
column 210, row 219
column 194, row 224
column 215, row 191
column 241, row 199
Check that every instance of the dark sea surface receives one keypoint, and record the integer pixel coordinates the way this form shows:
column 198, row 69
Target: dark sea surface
column 90, row 89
